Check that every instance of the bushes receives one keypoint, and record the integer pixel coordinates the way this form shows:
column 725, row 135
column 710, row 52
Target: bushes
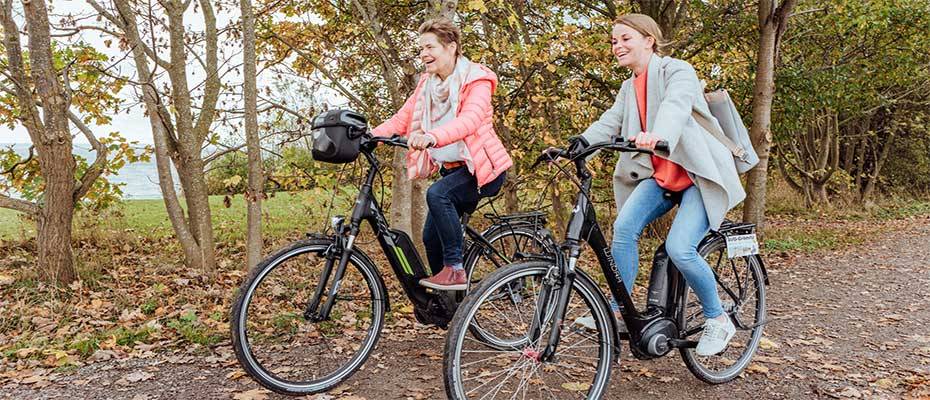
column 291, row 168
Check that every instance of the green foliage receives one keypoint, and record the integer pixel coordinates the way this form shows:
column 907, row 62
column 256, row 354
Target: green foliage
column 293, row 169
column 26, row 178
column 94, row 96
column 191, row 329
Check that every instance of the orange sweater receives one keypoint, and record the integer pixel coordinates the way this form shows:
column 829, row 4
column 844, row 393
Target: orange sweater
column 668, row 175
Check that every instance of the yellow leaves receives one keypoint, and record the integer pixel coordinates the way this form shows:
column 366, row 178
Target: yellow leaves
column 767, row 344
column 512, row 20
column 477, row 5
column 232, row 181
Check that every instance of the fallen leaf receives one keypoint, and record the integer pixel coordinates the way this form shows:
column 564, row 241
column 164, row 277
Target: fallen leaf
column 759, row 369
column 138, row 376
column 32, row 379
column 235, row 374
column 576, row 386
column 850, row 392
column 767, row 344
column 885, row 383
column 254, row 394
column 769, row 360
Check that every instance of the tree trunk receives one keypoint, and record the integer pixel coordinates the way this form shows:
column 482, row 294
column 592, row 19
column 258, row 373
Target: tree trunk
column 49, row 133
column 860, row 161
column 873, row 177
column 820, row 193
column 772, row 24
column 255, row 192
column 178, row 135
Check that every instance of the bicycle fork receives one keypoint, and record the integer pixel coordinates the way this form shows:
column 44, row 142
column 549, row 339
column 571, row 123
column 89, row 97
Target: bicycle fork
column 311, row 312
column 558, row 316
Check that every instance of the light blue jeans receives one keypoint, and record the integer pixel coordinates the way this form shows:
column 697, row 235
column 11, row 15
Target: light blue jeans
column 645, row 204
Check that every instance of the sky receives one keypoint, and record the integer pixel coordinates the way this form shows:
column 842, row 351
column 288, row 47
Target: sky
column 132, row 123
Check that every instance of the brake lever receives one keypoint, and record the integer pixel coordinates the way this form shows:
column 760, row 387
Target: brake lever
column 546, row 156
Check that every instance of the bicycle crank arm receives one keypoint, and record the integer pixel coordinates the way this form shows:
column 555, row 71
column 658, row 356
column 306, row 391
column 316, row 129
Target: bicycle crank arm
column 679, row 344
column 739, row 325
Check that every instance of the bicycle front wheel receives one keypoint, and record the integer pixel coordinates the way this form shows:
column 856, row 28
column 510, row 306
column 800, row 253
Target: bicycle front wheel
column 507, row 302
column 291, row 352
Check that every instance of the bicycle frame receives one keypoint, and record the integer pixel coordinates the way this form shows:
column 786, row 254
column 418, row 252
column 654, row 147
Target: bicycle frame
column 396, row 245
column 666, row 283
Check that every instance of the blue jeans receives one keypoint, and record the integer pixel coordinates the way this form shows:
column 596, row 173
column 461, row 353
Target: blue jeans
column 645, row 204
column 451, row 196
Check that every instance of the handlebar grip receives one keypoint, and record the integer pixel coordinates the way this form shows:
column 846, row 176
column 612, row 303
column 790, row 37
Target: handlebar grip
column 402, row 141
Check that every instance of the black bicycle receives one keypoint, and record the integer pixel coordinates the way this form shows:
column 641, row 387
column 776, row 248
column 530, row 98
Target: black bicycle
column 310, row 314
column 555, row 355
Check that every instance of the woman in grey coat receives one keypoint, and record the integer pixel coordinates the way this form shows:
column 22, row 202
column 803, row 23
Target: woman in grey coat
column 656, row 105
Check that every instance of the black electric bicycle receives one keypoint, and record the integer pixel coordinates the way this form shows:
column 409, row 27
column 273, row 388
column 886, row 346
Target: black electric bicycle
column 310, row 314
column 555, row 355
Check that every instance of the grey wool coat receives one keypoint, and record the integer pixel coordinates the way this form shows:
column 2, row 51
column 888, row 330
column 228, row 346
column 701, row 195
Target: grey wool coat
column 672, row 92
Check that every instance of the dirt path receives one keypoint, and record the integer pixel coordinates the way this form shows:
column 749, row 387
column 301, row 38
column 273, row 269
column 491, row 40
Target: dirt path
column 848, row 324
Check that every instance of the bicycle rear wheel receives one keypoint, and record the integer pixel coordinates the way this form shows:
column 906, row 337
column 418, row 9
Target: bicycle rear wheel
column 290, row 352
column 741, row 286
column 581, row 366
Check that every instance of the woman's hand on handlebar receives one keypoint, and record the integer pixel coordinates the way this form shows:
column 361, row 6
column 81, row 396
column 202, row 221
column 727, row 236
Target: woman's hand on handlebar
column 418, row 141
column 646, row 140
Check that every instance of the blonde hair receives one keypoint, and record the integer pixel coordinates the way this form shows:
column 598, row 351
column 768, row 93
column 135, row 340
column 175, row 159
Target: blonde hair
column 646, row 26
column 445, row 31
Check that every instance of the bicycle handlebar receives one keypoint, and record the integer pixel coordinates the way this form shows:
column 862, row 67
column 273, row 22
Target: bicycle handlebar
column 395, row 140
column 618, row 144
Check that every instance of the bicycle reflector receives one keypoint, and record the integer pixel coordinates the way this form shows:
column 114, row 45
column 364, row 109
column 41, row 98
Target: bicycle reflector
column 336, row 135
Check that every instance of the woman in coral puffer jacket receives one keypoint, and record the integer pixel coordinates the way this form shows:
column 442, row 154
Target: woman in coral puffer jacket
column 448, row 122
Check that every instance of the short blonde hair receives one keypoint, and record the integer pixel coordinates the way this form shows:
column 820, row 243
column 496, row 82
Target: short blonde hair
column 646, row 26
column 445, row 31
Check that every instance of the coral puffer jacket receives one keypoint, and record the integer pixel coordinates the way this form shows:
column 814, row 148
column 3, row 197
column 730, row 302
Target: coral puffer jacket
column 473, row 124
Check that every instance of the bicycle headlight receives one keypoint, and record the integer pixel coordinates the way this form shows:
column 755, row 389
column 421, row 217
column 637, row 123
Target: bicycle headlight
column 337, row 222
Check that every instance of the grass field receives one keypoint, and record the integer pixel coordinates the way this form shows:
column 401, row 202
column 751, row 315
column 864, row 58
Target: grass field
column 284, row 213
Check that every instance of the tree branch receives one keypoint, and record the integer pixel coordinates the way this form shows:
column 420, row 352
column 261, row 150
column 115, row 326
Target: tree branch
column 23, row 206
column 213, row 84
column 30, row 113
column 319, row 67
column 94, row 170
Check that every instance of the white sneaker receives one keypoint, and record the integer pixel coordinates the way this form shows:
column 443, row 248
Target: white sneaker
column 716, row 336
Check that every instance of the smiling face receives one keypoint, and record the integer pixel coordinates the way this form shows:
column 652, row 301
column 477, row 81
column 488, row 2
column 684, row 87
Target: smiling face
column 631, row 48
column 437, row 57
